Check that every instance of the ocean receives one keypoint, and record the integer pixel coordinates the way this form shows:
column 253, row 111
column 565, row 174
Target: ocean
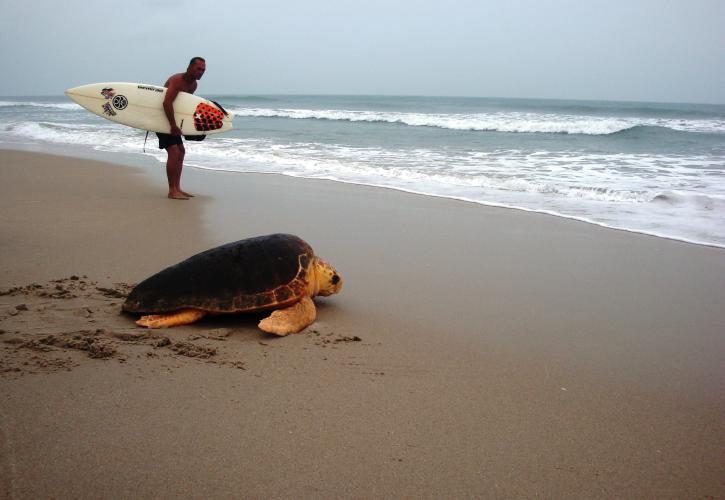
column 654, row 168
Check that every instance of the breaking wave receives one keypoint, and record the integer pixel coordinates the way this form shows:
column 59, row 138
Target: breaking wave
column 513, row 122
column 644, row 169
column 31, row 104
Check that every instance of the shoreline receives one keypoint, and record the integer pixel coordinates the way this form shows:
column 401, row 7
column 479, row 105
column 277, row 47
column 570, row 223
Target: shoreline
column 502, row 353
column 142, row 160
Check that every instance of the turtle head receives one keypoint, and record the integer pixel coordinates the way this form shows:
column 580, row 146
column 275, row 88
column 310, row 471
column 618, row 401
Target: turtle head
column 328, row 280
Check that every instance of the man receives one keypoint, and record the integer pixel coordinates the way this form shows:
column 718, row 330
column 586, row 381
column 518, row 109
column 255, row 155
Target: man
column 173, row 143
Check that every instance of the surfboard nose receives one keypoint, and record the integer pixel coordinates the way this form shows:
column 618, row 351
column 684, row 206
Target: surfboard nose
column 72, row 93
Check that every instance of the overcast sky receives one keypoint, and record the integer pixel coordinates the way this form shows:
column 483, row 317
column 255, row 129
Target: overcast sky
column 653, row 50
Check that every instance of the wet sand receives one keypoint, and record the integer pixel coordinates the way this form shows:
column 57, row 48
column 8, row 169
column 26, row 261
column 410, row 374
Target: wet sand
column 474, row 351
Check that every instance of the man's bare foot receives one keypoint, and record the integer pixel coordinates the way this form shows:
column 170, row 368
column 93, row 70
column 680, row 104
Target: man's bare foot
column 177, row 195
column 187, row 194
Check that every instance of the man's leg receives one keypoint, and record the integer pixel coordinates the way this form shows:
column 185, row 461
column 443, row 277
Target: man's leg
column 174, row 165
column 178, row 184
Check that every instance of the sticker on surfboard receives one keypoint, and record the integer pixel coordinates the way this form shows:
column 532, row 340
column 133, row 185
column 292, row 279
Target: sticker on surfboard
column 108, row 110
column 120, row 102
column 207, row 118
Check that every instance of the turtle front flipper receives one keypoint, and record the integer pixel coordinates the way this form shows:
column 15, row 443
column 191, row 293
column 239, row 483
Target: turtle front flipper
column 183, row 317
column 291, row 319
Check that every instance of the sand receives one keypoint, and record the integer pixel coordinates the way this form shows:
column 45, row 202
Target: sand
column 473, row 352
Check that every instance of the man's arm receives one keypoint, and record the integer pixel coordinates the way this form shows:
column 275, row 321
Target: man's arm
column 171, row 92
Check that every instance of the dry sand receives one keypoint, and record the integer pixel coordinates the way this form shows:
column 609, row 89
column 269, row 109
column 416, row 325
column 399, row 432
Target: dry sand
column 474, row 351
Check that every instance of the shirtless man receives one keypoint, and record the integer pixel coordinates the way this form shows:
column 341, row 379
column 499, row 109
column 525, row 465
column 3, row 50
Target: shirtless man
column 173, row 143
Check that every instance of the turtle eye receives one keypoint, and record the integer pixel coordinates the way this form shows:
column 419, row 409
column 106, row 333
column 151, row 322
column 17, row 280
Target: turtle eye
column 335, row 279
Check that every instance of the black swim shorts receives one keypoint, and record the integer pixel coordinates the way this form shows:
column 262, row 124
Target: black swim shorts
column 166, row 140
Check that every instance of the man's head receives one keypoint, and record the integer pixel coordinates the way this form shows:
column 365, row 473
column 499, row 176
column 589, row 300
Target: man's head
column 196, row 68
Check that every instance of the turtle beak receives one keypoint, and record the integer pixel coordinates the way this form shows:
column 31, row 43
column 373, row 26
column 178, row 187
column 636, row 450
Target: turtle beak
column 331, row 281
column 334, row 286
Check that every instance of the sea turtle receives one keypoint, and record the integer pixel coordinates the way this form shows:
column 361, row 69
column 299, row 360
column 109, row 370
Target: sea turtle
column 278, row 271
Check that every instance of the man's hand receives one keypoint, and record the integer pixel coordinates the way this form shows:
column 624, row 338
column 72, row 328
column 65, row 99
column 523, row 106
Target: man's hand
column 175, row 130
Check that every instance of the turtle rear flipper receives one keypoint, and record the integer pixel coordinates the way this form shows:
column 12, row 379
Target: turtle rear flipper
column 291, row 319
column 183, row 317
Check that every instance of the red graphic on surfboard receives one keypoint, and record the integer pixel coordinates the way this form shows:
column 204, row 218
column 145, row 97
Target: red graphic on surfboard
column 207, row 118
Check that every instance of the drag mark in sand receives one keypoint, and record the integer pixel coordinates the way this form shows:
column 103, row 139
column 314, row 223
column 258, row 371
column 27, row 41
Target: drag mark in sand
column 70, row 322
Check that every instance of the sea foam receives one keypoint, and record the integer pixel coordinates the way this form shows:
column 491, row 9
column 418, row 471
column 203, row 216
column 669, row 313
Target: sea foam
column 641, row 167
column 48, row 105
column 515, row 122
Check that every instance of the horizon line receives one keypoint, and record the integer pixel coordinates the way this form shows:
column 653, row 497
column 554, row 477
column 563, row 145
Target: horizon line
column 439, row 96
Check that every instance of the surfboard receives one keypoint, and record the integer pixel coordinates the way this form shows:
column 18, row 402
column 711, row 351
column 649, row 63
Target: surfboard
column 141, row 106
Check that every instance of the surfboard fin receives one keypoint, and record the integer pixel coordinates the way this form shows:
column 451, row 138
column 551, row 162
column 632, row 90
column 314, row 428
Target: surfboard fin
column 220, row 107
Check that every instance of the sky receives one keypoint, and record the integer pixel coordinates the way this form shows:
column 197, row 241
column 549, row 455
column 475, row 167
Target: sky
column 635, row 50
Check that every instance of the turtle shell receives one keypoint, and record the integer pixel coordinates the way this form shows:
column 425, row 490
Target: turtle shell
column 247, row 275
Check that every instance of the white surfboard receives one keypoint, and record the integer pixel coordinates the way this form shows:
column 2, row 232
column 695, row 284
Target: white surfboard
column 141, row 106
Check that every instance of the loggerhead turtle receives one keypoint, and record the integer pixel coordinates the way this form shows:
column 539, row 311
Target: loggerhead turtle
column 278, row 271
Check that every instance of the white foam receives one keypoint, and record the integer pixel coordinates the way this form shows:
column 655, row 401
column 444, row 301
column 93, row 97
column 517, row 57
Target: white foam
column 649, row 193
column 621, row 178
column 492, row 122
column 111, row 137
column 60, row 105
